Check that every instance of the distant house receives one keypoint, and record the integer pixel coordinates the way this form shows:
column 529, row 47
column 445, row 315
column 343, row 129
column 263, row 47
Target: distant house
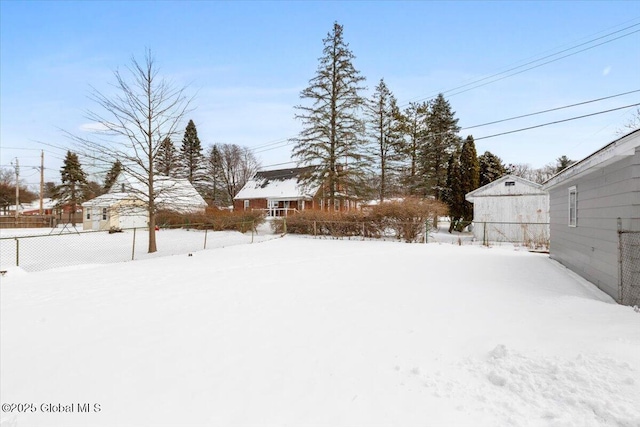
column 595, row 218
column 33, row 208
column 511, row 209
column 281, row 192
column 125, row 205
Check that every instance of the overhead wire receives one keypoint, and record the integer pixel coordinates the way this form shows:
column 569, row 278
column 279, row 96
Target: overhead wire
column 556, row 122
column 529, row 63
column 281, row 143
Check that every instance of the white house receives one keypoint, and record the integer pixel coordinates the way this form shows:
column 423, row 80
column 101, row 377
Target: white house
column 125, row 205
column 511, row 209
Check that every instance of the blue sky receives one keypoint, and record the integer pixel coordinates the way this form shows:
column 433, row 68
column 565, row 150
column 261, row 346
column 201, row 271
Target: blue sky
column 247, row 62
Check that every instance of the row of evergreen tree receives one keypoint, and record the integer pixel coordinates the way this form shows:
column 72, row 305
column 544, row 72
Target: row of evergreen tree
column 218, row 173
column 370, row 148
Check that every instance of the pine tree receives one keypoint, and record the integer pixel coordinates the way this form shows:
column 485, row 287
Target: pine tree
column 214, row 170
column 563, row 162
column 112, row 175
column 74, row 187
column 384, row 133
column 167, row 162
column 191, row 156
column 413, row 126
column 469, row 176
column 453, row 195
column 441, row 141
column 491, row 168
column 332, row 135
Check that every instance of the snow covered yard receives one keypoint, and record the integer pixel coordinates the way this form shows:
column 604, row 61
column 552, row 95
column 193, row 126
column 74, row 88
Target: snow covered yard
column 310, row 332
column 43, row 249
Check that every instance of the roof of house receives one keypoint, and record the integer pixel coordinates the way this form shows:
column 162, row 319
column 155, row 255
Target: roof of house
column 499, row 188
column 172, row 193
column 47, row 203
column 279, row 184
column 624, row 146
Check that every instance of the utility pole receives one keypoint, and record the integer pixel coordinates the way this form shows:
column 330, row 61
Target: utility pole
column 41, row 180
column 17, row 168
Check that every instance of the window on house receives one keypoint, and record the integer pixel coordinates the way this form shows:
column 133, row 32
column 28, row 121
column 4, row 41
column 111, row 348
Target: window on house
column 88, row 213
column 573, row 207
column 246, row 205
column 104, row 214
column 122, row 188
column 509, row 183
column 336, row 204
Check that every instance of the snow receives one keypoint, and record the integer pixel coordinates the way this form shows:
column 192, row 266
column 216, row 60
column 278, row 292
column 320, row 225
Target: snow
column 297, row 331
column 277, row 185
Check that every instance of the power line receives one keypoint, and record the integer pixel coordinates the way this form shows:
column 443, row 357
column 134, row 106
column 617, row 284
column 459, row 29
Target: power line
column 281, row 143
column 540, row 65
column 531, row 62
column 556, row 122
column 549, row 110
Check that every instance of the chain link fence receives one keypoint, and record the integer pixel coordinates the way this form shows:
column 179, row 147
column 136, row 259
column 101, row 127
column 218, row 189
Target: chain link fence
column 415, row 231
column 629, row 281
column 534, row 235
column 69, row 247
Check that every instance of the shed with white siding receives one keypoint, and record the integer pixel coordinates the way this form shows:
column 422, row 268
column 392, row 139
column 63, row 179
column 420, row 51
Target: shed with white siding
column 511, row 209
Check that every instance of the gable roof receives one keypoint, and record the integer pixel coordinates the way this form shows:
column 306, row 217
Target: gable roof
column 610, row 153
column 171, row 193
column 495, row 188
column 279, row 184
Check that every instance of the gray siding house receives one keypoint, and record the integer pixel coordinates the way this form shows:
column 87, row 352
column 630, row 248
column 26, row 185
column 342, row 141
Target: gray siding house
column 589, row 202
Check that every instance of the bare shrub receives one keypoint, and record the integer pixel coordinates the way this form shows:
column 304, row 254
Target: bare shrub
column 213, row 219
column 404, row 220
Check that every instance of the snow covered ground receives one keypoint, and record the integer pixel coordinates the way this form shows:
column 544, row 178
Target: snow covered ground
column 298, row 331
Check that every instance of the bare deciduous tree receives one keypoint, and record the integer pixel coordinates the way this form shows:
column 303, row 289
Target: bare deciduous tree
column 631, row 124
column 132, row 123
column 234, row 166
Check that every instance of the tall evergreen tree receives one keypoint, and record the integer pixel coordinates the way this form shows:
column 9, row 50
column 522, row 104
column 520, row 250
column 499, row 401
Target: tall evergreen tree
column 192, row 157
column 74, row 187
column 562, row 163
column 491, row 168
column 442, row 141
column 382, row 114
column 167, row 162
column 413, row 126
column 469, row 176
column 453, row 195
column 332, row 135
column 215, row 173
column 112, row 175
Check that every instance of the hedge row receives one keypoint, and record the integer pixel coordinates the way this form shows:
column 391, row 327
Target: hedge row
column 405, row 220
column 212, row 219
